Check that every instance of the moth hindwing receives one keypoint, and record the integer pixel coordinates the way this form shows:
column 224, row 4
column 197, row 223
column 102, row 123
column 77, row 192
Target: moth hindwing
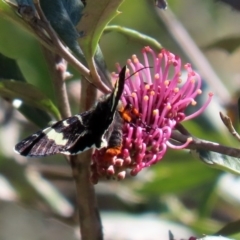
column 77, row 133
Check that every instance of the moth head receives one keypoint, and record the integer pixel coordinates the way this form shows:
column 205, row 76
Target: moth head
column 102, row 99
column 111, row 101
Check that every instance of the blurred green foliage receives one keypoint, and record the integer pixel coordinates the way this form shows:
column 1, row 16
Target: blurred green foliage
column 193, row 185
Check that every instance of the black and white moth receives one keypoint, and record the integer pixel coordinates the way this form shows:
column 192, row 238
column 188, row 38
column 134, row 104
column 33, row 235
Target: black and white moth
column 78, row 133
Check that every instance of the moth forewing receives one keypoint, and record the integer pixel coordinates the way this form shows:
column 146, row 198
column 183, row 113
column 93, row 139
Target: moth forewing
column 78, row 133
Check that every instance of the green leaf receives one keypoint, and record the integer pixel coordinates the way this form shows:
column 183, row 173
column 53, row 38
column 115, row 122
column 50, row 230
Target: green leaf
column 168, row 175
column 74, row 9
column 8, row 10
column 35, row 115
column 229, row 44
column 96, row 16
column 219, row 161
column 230, row 228
column 19, row 45
column 10, row 69
column 135, row 36
column 62, row 18
column 29, row 94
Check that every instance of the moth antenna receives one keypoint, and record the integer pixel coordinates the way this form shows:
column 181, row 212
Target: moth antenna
column 140, row 69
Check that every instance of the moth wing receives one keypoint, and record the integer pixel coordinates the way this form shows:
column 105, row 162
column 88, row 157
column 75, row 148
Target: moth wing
column 78, row 133
column 55, row 139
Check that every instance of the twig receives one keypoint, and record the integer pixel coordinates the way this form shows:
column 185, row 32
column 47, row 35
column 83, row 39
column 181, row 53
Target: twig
column 197, row 143
column 58, row 67
column 93, row 71
column 228, row 123
column 89, row 218
column 30, row 17
column 62, row 51
column 90, row 223
column 183, row 130
column 45, row 34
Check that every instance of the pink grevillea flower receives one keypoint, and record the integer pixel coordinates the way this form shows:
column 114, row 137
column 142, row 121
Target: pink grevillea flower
column 160, row 97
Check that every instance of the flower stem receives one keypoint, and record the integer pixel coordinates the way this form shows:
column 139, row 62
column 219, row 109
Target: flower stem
column 89, row 218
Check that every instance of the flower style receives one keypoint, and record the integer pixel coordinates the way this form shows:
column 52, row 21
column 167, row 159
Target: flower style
column 160, row 99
